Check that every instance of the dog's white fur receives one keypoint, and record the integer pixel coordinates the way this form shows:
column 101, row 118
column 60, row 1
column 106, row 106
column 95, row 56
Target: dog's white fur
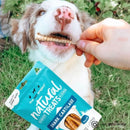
column 63, row 62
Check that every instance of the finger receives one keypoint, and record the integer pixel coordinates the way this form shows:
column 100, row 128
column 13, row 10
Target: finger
column 88, row 63
column 99, row 30
column 97, row 62
column 89, row 60
column 88, row 46
column 79, row 52
column 121, row 20
column 93, row 32
column 89, row 57
column 98, row 40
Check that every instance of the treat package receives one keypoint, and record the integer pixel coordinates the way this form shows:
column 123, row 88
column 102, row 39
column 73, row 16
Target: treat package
column 44, row 100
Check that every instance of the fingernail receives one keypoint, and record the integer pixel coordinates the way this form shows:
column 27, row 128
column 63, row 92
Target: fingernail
column 81, row 44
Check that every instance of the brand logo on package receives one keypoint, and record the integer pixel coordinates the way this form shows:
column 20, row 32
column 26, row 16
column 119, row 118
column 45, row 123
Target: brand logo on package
column 42, row 102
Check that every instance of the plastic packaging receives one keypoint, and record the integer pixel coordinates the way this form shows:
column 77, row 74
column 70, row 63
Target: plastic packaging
column 43, row 99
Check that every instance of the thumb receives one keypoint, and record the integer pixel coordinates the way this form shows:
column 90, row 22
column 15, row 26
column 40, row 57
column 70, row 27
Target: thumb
column 88, row 46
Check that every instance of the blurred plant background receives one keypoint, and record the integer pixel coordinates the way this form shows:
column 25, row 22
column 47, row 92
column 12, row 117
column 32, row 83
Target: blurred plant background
column 111, row 86
column 99, row 9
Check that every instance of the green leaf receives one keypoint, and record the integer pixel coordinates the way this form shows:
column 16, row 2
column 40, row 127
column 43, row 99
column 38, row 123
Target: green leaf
column 126, row 5
column 107, row 14
column 91, row 5
column 127, row 18
column 101, row 6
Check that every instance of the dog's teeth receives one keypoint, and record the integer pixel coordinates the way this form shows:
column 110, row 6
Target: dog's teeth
column 52, row 39
column 45, row 38
column 64, row 41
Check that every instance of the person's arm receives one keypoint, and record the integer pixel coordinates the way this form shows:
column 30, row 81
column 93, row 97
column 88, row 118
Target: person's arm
column 107, row 41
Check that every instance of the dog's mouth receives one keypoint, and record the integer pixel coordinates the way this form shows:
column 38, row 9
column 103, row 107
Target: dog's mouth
column 58, row 39
column 61, row 36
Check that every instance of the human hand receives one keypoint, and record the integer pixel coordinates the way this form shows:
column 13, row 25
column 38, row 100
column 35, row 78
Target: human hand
column 107, row 41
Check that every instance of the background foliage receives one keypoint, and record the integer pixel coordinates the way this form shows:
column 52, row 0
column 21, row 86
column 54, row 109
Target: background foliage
column 111, row 86
column 99, row 9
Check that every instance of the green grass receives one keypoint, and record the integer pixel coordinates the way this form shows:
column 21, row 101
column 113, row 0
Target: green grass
column 109, row 84
column 14, row 67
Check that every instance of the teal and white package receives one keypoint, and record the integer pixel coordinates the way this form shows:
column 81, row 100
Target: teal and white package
column 43, row 99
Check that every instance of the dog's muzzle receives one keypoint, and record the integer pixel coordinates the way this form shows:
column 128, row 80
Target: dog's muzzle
column 64, row 15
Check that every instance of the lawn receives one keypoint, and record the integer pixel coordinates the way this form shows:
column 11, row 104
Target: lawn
column 111, row 87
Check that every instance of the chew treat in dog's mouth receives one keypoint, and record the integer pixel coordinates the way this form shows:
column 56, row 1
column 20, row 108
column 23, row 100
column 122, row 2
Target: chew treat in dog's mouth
column 72, row 121
column 58, row 38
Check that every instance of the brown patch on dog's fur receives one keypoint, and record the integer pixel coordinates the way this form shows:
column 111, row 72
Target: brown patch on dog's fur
column 25, row 37
column 86, row 20
column 31, row 33
column 14, row 25
column 30, row 17
column 31, row 8
column 25, row 41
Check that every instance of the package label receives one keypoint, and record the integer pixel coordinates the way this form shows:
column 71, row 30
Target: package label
column 44, row 100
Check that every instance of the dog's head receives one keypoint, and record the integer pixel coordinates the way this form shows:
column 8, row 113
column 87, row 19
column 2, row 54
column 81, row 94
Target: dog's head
column 52, row 17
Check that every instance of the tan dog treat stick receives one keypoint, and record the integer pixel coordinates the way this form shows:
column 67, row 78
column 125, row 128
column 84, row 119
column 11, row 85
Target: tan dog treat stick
column 72, row 121
column 52, row 39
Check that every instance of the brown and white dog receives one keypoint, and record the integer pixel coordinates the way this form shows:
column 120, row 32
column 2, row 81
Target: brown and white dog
column 56, row 17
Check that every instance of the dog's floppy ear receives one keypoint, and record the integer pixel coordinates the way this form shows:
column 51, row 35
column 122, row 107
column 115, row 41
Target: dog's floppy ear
column 20, row 29
column 18, row 35
column 86, row 20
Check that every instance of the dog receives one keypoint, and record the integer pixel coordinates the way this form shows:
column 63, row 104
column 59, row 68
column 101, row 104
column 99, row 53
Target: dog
column 57, row 18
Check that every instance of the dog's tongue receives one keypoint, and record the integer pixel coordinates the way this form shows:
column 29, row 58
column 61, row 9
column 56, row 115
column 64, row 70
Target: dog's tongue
column 47, row 43
column 62, row 44
column 55, row 43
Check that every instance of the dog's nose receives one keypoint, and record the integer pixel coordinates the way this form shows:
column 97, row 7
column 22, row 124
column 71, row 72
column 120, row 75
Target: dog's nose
column 64, row 15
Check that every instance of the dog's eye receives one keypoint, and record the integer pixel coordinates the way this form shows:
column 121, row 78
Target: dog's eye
column 42, row 12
